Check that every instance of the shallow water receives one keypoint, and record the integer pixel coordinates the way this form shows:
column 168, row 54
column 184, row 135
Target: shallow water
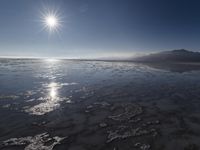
column 86, row 105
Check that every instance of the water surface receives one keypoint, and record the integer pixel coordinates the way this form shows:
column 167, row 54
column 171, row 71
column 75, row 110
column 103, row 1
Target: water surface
column 86, row 105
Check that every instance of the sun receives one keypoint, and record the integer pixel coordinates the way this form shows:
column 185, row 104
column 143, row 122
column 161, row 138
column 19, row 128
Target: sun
column 51, row 20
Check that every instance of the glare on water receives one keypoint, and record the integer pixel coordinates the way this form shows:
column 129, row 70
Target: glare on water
column 53, row 90
column 51, row 60
column 50, row 102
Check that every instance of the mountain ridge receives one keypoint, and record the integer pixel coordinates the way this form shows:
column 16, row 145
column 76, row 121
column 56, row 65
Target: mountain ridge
column 179, row 55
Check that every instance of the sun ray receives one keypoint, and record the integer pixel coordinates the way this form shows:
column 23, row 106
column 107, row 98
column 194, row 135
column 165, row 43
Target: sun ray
column 51, row 20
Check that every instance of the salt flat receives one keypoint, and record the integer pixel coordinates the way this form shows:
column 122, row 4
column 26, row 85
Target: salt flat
column 86, row 105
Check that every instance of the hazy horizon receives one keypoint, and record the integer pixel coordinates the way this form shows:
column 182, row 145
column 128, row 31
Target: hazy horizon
column 100, row 57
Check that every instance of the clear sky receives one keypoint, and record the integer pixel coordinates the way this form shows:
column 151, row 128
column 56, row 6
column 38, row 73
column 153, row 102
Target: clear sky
column 99, row 27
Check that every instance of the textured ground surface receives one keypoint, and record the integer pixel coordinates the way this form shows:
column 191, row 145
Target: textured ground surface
column 87, row 105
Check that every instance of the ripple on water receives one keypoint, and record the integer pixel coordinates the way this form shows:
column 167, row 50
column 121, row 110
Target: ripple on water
column 130, row 110
column 50, row 102
column 5, row 97
column 39, row 142
column 48, row 105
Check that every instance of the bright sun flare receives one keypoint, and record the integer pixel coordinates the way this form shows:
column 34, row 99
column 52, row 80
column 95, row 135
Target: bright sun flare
column 51, row 21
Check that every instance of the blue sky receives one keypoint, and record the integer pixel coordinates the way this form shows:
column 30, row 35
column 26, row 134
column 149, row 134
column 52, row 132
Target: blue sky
column 99, row 28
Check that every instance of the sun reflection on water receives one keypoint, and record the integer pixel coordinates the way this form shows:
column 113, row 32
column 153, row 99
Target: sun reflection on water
column 51, row 98
column 50, row 102
column 51, row 60
column 53, row 90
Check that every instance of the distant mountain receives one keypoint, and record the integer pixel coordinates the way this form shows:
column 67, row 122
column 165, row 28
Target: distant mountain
column 181, row 55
